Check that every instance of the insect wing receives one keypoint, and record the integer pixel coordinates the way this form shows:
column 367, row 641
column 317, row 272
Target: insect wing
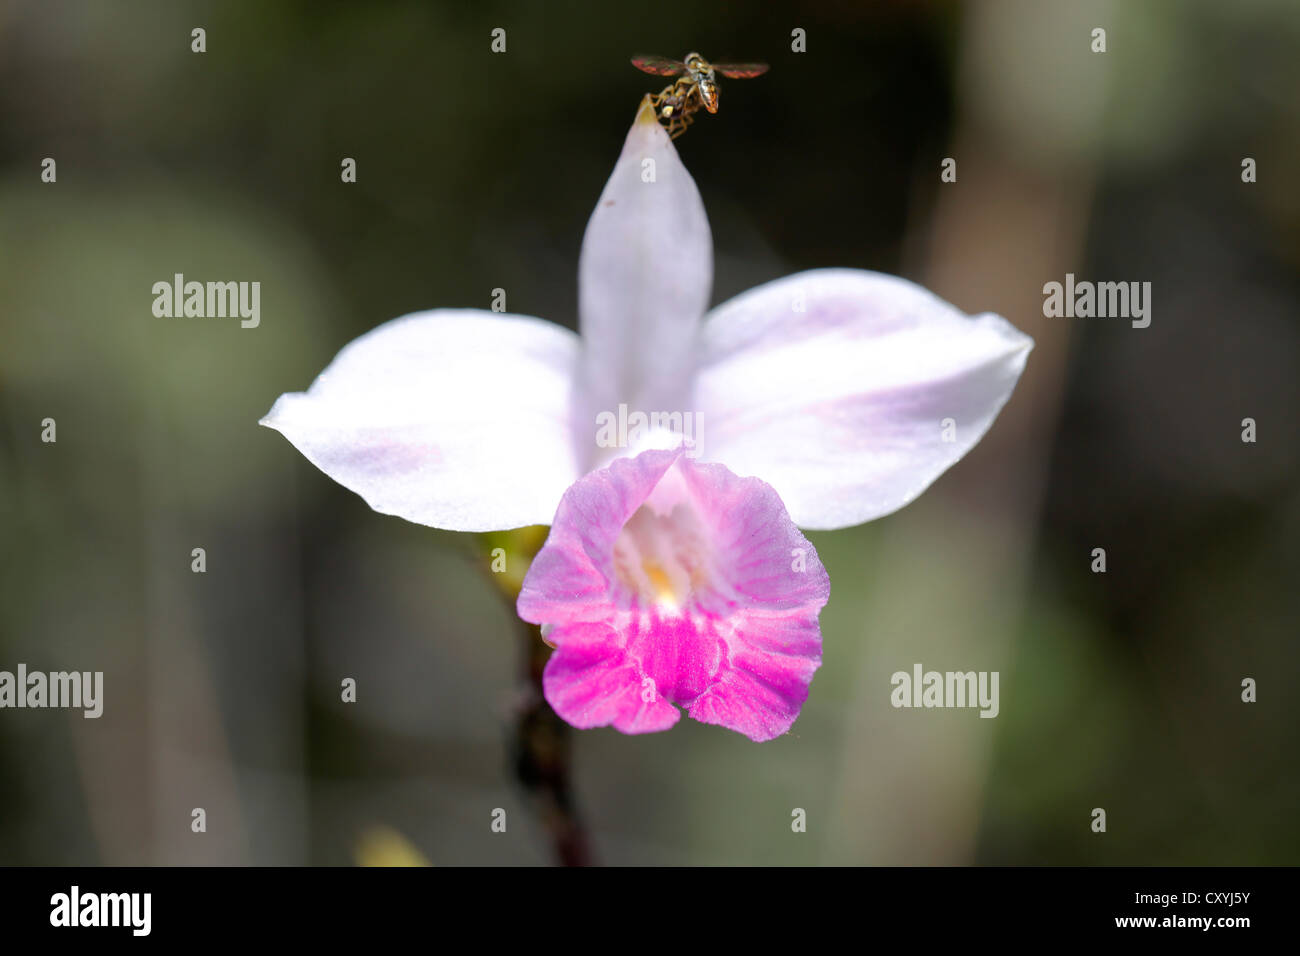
column 741, row 71
column 658, row 65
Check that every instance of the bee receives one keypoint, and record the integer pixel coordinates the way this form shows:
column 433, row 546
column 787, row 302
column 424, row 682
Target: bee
column 696, row 86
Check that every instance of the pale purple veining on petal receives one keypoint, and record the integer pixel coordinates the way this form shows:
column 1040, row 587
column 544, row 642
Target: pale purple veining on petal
column 835, row 386
column 454, row 418
column 667, row 582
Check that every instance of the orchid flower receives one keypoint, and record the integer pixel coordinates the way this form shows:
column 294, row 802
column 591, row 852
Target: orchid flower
column 846, row 392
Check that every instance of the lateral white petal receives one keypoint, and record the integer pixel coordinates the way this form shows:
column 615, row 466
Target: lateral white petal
column 455, row 418
column 834, row 386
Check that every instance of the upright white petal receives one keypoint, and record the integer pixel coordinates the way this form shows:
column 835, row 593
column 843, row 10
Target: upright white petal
column 643, row 280
column 459, row 419
column 835, row 386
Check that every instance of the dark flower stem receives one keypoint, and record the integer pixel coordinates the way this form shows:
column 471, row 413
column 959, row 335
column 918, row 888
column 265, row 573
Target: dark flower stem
column 541, row 746
column 543, row 755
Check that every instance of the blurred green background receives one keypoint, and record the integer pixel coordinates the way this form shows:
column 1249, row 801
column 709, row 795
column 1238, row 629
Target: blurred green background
column 478, row 171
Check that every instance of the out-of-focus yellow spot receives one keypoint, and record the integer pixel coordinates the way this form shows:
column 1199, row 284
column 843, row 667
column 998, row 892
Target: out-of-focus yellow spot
column 383, row 846
column 510, row 564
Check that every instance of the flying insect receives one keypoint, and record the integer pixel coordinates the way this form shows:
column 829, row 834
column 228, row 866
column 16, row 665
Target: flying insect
column 695, row 88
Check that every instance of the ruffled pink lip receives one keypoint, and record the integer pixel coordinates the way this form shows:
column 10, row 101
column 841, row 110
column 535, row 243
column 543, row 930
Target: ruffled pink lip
column 667, row 583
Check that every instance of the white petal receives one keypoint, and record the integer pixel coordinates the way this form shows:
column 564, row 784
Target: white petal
column 459, row 419
column 643, row 279
column 841, row 406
